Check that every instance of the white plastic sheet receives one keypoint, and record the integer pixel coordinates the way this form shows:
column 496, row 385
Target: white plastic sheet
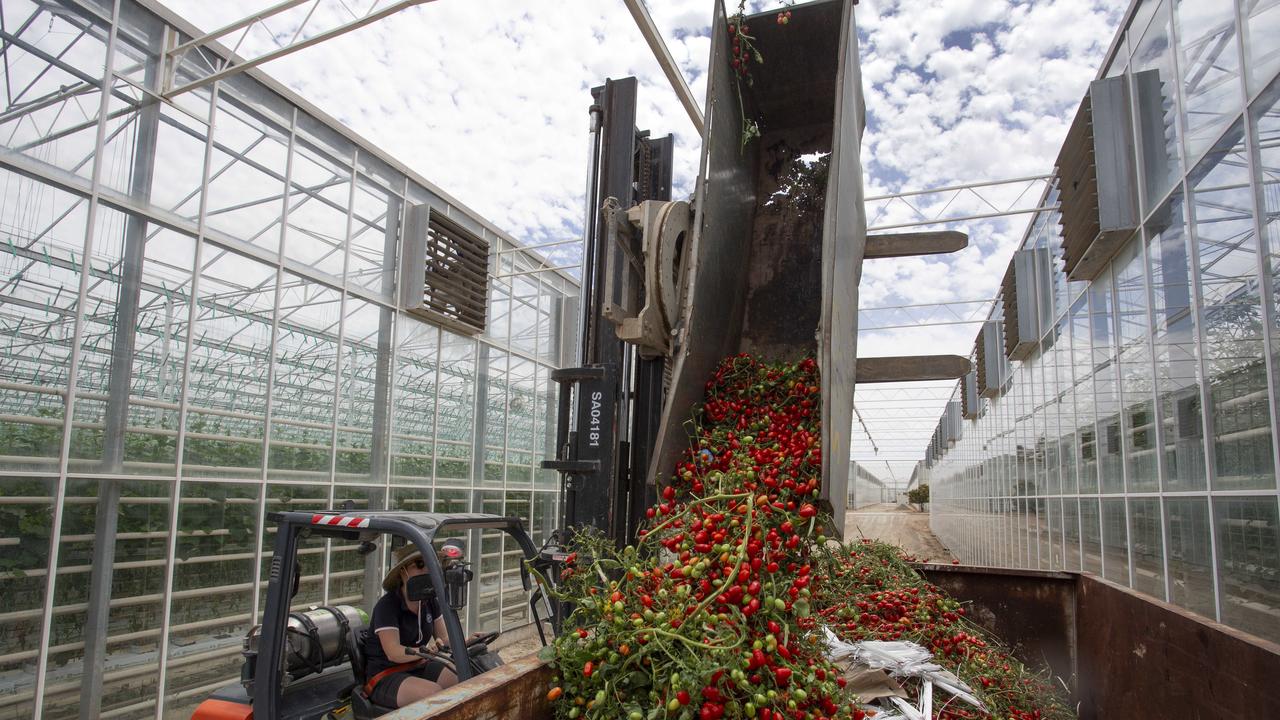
column 903, row 659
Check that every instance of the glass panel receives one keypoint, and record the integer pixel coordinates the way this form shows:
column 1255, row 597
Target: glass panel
column 1176, row 343
column 521, row 423
column 1115, row 541
column 1155, row 85
column 1106, row 385
column 414, row 393
column 1266, row 119
column 1092, row 535
column 515, row 602
column 493, row 363
column 246, row 175
column 347, row 566
column 546, row 404
column 230, row 359
column 319, row 195
column 26, row 514
column 366, row 346
column 41, row 254
column 1071, row 533
column 455, row 432
column 487, row 592
column 375, row 220
column 1138, row 417
column 1262, row 52
column 51, row 108
column 1210, row 62
column 1190, row 554
column 311, row 550
column 1146, row 541
column 212, row 606
column 1222, row 212
column 180, row 141
column 134, row 574
column 1249, row 563
column 139, row 300
column 1082, row 361
column 305, row 377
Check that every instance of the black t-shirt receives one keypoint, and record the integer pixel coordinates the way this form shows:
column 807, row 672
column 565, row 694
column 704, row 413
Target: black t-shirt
column 392, row 612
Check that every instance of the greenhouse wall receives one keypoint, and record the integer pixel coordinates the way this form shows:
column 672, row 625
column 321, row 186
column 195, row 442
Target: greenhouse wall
column 1138, row 442
column 200, row 324
column 865, row 488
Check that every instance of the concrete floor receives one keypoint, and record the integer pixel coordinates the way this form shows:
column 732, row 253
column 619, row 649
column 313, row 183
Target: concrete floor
column 899, row 525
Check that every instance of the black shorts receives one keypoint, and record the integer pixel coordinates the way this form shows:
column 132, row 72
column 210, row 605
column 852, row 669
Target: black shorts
column 384, row 693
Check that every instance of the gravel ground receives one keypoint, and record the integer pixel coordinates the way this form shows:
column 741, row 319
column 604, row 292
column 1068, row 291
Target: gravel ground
column 900, row 525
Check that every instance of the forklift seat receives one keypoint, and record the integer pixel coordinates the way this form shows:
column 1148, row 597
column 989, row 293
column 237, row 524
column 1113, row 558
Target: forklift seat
column 361, row 706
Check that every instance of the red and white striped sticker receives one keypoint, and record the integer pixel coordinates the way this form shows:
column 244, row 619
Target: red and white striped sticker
column 340, row 521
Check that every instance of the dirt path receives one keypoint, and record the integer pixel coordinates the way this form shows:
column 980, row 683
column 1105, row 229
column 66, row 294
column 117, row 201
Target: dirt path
column 896, row 524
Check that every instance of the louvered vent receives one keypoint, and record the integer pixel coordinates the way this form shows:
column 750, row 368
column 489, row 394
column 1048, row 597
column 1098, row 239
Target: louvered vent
column 991, row 359
column 445, row 271
column 952, row 424
column 1027, row 291
column 969, row 396
column 1097, row 180
column 980, row 367
column 1009, row 296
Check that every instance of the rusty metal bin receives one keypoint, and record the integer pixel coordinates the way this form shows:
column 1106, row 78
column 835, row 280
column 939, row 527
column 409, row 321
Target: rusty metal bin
column 1121, row 653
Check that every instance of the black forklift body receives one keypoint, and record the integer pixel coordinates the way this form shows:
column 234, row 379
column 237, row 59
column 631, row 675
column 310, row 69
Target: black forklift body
column 263, row 686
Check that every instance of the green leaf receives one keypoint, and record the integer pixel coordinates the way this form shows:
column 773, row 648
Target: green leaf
column 548, row 652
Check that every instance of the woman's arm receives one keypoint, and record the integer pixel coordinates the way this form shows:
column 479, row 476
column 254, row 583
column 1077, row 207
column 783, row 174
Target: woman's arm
column 441, row 632
column 390, row 640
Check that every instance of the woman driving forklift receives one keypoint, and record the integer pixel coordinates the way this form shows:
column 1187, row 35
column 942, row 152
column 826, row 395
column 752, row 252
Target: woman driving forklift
column 398, row 623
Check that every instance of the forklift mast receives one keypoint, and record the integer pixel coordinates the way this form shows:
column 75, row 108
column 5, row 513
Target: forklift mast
column 610, row 404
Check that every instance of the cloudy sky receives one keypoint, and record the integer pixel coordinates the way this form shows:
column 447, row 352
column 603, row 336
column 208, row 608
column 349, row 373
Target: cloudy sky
column 488, row 99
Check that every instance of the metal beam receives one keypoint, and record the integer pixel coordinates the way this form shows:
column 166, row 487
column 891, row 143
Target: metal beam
column 917, row 243
column 911, row 368
column 963, row 218
column 963, row 186
column 667, row 62
column 236, row 65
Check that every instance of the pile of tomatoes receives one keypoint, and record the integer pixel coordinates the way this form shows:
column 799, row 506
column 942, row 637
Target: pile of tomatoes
column 717, row 610
column 710, row 615
column 874, row 593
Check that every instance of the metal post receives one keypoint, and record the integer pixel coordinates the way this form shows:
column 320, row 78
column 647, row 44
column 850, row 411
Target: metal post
column 46, row 628
column 117, row 413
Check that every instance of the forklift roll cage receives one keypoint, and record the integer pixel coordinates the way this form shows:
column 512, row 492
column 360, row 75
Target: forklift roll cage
column 420, row 528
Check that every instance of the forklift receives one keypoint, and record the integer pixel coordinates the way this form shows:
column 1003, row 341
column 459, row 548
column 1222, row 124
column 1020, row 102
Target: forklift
column 310, row 665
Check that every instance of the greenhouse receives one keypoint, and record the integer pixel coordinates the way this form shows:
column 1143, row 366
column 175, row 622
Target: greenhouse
column 206, row 313
column 1125, row 425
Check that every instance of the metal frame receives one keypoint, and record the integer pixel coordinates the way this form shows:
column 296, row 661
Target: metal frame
column 234, row 64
